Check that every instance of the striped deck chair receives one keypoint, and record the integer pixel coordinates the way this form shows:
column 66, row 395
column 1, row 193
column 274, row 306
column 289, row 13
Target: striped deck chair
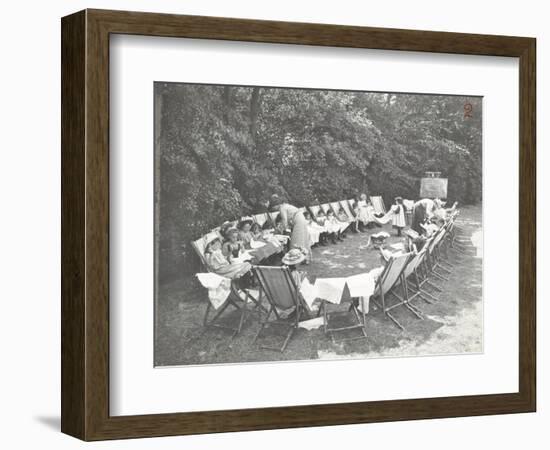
column 260, row 219
column 347, row 209
column 357, row 322
column 314, row 210
column 325, row 207
column 335, row 208
column 413, row 280
column 282, row 294
column 386, row 284
column 238, row 298
column 378, row 204
column 434, row 264
column 352, row 202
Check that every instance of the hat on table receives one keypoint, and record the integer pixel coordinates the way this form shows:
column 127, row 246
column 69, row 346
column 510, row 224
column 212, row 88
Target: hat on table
column 293, row 257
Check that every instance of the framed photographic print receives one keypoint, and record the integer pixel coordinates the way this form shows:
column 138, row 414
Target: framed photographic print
column 272, row 225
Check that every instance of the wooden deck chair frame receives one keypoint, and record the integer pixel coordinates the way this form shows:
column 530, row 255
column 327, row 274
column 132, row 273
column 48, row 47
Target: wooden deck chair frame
column 412, row 278
column 314, row 210
column 271, row 294
column 349, row 211
column 335, row 206
column 432, row 255
column 325, row 207
column 359, row 324
column 384, row 289
column 378, row 204
column 234, row 299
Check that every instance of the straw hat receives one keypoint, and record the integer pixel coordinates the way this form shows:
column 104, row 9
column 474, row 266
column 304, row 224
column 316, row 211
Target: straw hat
column 293, row 257
column 230, row 231
column 245, row 220
column 210, row 238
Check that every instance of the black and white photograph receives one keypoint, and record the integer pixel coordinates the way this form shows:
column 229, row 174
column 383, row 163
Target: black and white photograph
column 298, row 224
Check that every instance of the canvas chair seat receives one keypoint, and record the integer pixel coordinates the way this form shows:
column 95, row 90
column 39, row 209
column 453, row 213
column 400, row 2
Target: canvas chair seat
column 390, row 279
column 282, row 294
column 347, row 209
column 413, row 280
column 326, row 207
column 314, row 210
column 378, row 204
column 238, row 298
column 260, row 219
column 356, row 320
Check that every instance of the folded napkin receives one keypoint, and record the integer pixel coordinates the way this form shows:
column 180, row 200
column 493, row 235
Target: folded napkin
column 218, row 287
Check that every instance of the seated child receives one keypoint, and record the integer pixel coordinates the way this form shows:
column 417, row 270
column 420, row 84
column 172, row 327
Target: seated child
column 343, row 217
column 232, row 247
column 415, row 241
column 257, row 233
column 335, row 226
column 219, row 264
column 244, row 232
column 280, row 231
column 315, row 230
column 325, row 235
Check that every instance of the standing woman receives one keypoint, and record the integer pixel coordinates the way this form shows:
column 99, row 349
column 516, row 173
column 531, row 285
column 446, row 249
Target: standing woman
column 423, row 210
column 292, row 218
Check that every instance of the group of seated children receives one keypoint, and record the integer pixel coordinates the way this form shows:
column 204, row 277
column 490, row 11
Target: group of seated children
column 431, row 225
column 230, row 258
column 223, row 259
column 329, row 227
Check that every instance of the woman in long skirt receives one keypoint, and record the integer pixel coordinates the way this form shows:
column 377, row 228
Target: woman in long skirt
column 293, row 219
column 423, row 210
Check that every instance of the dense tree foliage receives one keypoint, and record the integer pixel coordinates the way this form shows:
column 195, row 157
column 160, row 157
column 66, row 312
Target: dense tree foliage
column 223, row 150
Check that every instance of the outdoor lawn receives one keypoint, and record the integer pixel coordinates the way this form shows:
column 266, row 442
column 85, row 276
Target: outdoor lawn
column 452, row 325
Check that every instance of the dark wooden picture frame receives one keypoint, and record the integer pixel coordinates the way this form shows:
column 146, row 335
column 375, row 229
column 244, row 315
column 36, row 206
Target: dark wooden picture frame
column 85, row 224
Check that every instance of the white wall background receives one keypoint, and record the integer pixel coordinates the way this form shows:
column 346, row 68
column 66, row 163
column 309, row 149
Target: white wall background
column 30, row 220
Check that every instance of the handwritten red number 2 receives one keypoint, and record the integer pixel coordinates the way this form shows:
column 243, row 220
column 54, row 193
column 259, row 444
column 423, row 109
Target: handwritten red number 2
column 468, row 108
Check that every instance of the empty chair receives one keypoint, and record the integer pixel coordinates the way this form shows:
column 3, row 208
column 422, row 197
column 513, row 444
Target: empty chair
column 387, row 282
column 378, row 204
column 413, row 281
column 432, row 255
column 281, row 291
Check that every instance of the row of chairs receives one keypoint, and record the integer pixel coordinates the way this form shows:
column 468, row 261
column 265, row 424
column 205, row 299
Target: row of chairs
column 406, row 277
column 420, row 272
column 271, row 217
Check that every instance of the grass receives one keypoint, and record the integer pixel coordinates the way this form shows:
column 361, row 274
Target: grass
column 452, row 325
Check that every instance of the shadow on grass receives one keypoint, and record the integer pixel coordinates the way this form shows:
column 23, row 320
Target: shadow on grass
column 181, row 339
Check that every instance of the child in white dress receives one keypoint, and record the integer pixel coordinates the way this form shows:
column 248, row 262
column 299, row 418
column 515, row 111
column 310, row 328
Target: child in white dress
column 398, row 215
